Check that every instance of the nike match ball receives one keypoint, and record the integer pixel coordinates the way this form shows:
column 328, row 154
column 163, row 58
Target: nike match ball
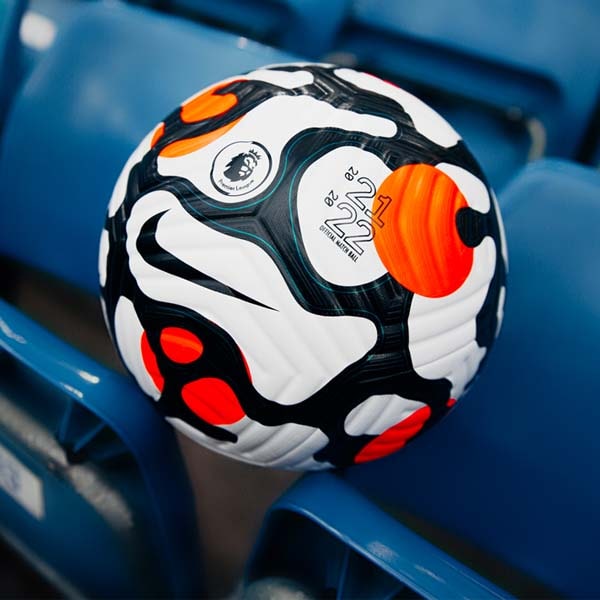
column 303, row 267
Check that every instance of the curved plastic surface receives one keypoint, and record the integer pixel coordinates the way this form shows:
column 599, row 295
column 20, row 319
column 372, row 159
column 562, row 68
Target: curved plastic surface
column 511, row 468
column 112, row 74
column 10, row 17
column 346, row 514
column 546, row 42
column 530, row 66
column 45, row 21
column 303, row 26
column 120, row 404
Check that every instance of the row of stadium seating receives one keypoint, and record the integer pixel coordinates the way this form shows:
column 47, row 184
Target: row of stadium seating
column 518, row 80
column 82, row 98
column 114, row 41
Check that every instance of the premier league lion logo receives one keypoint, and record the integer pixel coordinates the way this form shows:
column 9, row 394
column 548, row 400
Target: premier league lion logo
column 240, row 167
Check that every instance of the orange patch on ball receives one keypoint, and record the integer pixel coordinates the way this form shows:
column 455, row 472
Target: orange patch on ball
column 419, row 242
column 395, row 437
column 213, row 400
column 189, row 145
column 180, row 345
column 208, row 104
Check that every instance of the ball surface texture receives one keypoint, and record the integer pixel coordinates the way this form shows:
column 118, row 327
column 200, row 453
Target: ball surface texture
column 303, row 266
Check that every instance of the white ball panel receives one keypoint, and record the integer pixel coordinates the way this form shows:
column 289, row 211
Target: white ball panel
column 378, row 413
column 289, row 446
column 426, row 121
column 500, row 310
column 285, row 79
column 442, row 331
column 446, row 318
column 471, row 187
column 299, row 64
column 103, row 256
column 432, row 349
column 459, row 367
column 334, row 257
column 128, row 331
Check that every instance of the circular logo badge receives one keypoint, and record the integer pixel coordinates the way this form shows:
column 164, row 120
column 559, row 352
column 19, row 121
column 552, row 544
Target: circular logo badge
column 240, row 168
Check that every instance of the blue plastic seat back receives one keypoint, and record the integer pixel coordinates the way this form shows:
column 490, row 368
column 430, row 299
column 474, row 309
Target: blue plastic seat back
column 94, row 489
column 302, row 26
column 10, row 17
column 326, row 540
column 529, row 57
column 43, row 23
column 112, row 75
column 513, row 468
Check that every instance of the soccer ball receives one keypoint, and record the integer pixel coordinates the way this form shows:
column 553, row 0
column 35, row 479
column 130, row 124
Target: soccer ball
column 303, row 266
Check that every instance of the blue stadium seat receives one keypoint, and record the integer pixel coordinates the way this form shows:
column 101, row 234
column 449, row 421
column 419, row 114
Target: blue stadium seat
column 10, row 17
column 112, row 75
column 112, row 511
column 511, row 469
column 302, row 26
column 43, row 23
column 93, row 490
column 504, row 73
column 323, row 539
